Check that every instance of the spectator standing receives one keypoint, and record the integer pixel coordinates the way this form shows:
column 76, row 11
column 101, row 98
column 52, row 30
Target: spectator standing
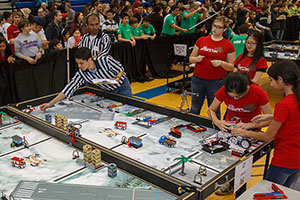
column 98, row 11
column 275, row 25
column 41, row 17
column 248, row 5
column 39, row 2
column 78, row 23
column 6, row 54
column 136, row 32
column 110, row 26
column 125, row 32
column 13, row 30
column 7, row 20
column 140, row 14
column 251, row 21
column 148, row 29
column 263, row 22
column 213, row 56
column 97, row 41
column 191, row 17
column 282, row 21
column 37, row 29
column 27, row 46
column 64, row 37
column 169, row 26
column 240, row 40
column 157, row 20
column 71, row 15
column 54, row 28
column 259, row 7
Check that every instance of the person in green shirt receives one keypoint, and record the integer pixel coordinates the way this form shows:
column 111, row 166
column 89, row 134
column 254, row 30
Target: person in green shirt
column 240, row 40
column 136, row 32
column 124, row 31
column 169, row 26
column 148, row 29
column 191, row 17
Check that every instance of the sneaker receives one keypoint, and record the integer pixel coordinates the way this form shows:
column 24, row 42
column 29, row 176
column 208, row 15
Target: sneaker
column 225, row 189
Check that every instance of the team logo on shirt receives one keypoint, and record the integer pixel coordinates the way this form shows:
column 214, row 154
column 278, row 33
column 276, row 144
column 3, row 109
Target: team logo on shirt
column 215, row 50
column 246, row 109
column 246, row 69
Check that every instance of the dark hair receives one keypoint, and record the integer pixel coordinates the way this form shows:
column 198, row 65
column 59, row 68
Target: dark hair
column 75, row 29
column 8, row 52
column 147, row 19
column 124, row 15
column 259, row 52
column 77, row 14
column 141, row 5
column 54, row 43
column 237, row 82
column 110, row 11
column 264, row 8
column 173, row 8
column 289, row 72
column 68, row 5
column 55, row 13
column 83, row 53
column 157, row 8
column 6, row 15
column 243, row 29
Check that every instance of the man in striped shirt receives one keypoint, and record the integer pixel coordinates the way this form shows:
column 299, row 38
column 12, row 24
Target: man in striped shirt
column 103, row 67
column 97, row 41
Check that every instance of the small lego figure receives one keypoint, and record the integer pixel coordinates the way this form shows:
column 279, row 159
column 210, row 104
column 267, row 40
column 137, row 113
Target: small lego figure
column 112, row 170
column 18, row 162
column 48, row 118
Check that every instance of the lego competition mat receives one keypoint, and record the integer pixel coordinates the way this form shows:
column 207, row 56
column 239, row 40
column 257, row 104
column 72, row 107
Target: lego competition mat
column 28, row 154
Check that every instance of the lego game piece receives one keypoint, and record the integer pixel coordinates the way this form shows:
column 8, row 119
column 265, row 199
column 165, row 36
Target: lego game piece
column 182, row 160
column 18, row 162
column 87, row 153
column 75, row 154
column 143, row 121
column 198, row 179
column 202, row 170
column 196, row 128
column 132, row 141
column 215, row 146
column 121, row 125
column 168, row 141
column 109, row 131
column 96, row 159
column 48, row 118
column 17, row 141
column 29, row 109
column 112, row 170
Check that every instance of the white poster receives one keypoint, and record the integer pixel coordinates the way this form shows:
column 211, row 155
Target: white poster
column 243, row 173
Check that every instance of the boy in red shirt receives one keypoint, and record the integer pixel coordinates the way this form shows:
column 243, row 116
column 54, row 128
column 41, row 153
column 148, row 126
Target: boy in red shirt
column 284, row 127
column 13, row 30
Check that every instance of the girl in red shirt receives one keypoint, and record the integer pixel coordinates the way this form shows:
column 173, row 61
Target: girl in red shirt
column 243, row 100
column 252, row 61
column 213, row 56
column 6, row 55
column 284, row 126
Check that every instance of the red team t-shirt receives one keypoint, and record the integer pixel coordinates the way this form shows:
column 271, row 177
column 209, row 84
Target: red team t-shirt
column 12, row 32
column 212, row 50
column 287, row 140
column 245, row 108
column 244, row 65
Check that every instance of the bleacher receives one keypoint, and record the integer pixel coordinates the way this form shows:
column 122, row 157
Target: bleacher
column 77, row 5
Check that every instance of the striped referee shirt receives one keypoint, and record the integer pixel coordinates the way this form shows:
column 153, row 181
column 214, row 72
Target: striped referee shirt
column 100, row 43
column 106, row 68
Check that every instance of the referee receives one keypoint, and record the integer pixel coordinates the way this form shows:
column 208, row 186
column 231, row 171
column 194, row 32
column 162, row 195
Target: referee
column 103, row 67
column 97, row 41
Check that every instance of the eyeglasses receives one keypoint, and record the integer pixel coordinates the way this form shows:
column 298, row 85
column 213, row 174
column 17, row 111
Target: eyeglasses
column 217, row 27
column 251, row 43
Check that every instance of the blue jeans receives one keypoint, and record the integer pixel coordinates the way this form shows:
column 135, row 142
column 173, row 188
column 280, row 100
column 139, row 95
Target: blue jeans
column 282, row 176
column 204, row 88
column 124, row 89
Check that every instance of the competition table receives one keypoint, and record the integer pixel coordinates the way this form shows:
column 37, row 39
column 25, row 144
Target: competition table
column 282, row 50
column 153, row 163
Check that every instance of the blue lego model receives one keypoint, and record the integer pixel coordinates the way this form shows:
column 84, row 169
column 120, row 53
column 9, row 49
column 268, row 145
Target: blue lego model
column 132, row 141
column 112, row 170
column 168, row 141
column 16, row 141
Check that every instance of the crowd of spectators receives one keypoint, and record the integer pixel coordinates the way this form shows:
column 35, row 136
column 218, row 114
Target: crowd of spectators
column 55, row 25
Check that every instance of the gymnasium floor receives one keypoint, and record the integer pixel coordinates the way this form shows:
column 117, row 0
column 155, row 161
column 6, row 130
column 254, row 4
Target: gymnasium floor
column 155, row 92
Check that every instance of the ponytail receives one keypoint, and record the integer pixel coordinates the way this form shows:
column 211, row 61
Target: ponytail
column 290, row 73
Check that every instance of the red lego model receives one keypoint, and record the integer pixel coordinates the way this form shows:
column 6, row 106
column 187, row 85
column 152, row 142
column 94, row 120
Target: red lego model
column 18, row 162
column 29, row 109
column 121, row 125
column 196, row 128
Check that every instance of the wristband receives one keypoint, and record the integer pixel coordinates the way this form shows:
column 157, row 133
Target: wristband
column 51, row 105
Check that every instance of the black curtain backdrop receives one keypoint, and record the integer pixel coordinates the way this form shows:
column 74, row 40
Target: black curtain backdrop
column 21, row 81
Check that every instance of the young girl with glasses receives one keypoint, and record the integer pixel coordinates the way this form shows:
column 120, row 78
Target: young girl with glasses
column 252, row 61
